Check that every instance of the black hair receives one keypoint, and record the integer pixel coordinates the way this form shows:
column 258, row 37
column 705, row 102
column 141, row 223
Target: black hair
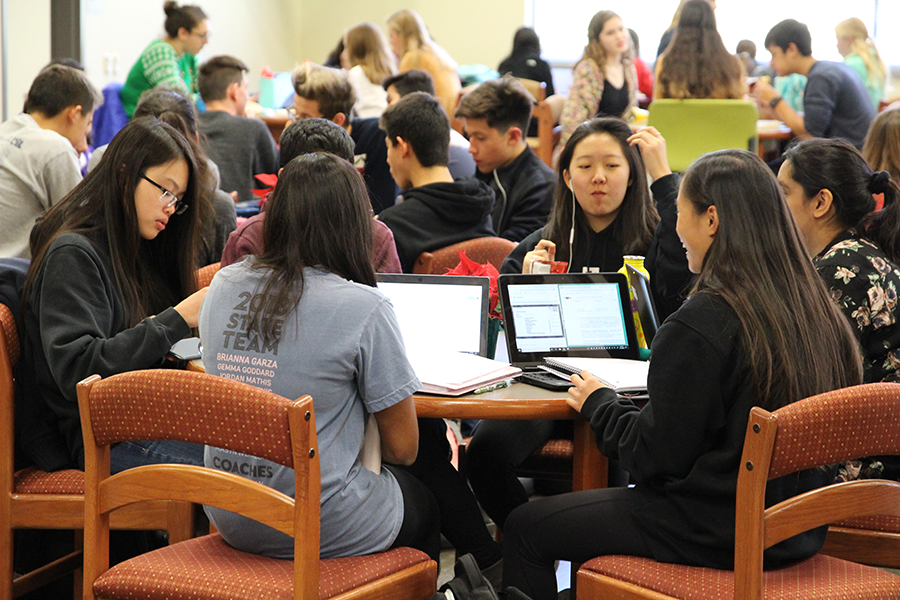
column 409, row 82
column 796, row 340
column 150, row 275
column 526, row 41
column 315, row 135
column 420, row 120
column 836, row 166
column 787, row 32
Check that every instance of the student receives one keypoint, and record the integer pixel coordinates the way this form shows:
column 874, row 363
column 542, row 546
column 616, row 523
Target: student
column 112, row 285
column 40, row 163
column 644, row 74
column 881, row 148
column 305, row 137
column 369, row 61
column 855, row 249
column 746, row 51
column 697, row 64
column 602, row 179
column 436, row 211
column 242, row 147
column 218, row 218
column 836, row 103
column 525, row 60
column 604, row 82
column 860, row 53
column 415, row 49
column 722, row 353
column 496, row 115
column 326, row 93
column 169, row 62
column 324, row 330
column 461, row 162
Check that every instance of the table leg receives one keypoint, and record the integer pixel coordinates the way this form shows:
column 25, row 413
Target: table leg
column 589, row 466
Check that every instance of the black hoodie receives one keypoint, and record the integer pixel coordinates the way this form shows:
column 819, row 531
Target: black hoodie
column 437, row 215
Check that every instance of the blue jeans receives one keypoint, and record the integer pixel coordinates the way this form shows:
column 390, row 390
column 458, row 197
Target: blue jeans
column 126, row 455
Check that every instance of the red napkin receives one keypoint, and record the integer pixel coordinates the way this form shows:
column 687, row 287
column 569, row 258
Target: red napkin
column 469, row 267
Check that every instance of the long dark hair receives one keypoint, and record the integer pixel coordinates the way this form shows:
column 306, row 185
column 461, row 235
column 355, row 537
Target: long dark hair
column 696, row 64
column 836, row 166
column 177, row 110
column 637, row 219
column 319, row 215
column 797, row 341
column 151, row 275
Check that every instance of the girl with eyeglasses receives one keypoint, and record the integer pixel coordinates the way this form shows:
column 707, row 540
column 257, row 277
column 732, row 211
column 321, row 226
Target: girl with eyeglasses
column 172, row 60
column 112, row 285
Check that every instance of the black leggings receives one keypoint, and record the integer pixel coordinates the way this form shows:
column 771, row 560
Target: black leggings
column 575, row 527
column 460, row 518
column 420, row 528
column 496, row 449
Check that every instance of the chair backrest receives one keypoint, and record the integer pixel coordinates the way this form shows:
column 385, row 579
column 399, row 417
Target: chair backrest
column 195, row 407
column 694, row 127
column 205, row 274
column 822, row 430
column 481, row 250
column 546, row 141
column 537, row 89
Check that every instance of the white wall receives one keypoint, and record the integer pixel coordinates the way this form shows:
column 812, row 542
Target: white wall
column 28, row 45
column 277, row 33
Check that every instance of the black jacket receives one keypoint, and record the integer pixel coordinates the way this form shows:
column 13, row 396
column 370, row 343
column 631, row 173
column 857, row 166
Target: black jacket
column 683, row 449
column 524, row 194
column 437, row 215
column 75, row 326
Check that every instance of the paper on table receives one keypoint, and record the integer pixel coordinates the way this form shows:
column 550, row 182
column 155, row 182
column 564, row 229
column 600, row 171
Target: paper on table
column 622, row 375
column 455, row 373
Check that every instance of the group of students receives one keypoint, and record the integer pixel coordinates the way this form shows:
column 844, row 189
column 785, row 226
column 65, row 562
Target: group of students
column 741, row 263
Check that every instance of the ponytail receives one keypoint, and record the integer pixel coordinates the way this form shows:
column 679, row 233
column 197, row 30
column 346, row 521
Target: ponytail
column 883, row 226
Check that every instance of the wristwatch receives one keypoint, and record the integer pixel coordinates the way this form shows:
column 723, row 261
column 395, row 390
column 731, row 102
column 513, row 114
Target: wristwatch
column 775, row 101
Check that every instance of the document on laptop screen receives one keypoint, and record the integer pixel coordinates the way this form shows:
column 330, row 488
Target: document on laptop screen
column 559, row 317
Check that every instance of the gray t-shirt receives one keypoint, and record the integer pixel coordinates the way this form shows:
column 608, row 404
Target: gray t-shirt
column 37, row 168
column 242, row 147
column 343, row 347
column 836, row 103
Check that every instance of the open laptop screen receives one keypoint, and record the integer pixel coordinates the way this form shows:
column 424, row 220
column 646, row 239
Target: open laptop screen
column 581, row 314
column 439, row 311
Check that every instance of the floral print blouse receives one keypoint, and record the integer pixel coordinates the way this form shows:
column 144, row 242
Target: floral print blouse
column 865, row 285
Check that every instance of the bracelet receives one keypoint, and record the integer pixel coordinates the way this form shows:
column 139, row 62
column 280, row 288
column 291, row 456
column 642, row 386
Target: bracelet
column 775, row 102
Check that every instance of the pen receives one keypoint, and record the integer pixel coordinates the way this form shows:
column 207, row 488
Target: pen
column 490, row 388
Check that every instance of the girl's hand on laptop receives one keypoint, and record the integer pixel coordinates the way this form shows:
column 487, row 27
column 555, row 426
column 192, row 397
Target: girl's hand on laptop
column 585, row 385
column 544, row 252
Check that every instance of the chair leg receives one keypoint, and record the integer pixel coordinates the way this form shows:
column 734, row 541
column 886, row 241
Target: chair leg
column 180, row 521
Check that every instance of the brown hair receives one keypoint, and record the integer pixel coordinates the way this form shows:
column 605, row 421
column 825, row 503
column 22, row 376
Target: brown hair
column 187, row 16
column 881, row 149
column 594, row 49
column 329, row 87
column 411, row 28
column 796, row 340
column 58, row 87
column 502, row 103
column 217, row 74
column 367, row 47
column 696, row 64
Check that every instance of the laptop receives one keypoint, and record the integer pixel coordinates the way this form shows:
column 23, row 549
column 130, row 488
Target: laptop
column 565, row 315
column 440, row 312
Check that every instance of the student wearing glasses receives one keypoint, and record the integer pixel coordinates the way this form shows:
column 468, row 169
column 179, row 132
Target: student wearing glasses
column 172, row 60
column 112, row 285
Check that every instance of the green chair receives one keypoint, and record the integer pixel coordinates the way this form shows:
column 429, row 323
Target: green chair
column 694, row 127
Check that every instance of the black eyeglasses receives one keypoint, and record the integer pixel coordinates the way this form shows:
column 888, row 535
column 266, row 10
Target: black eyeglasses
column 167, row 198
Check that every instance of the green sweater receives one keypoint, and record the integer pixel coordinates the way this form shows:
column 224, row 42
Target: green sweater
column 874, row 85
column 159, row 66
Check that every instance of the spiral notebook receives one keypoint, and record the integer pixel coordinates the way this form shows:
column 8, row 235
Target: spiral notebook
column 627, row 377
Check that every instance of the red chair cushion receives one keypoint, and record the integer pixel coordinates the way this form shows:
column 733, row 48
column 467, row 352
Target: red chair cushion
column 819, row 578
column 35, row 481
column 209, row 568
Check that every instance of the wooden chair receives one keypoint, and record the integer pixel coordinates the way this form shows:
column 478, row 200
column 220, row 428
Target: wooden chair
column 205, row 274
column 547, row 138
column 200, row 408
column 481, row 250
column 35, row 499
column 828, row 428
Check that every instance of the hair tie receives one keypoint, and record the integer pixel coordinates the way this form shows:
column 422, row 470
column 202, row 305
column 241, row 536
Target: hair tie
column 878, row 182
